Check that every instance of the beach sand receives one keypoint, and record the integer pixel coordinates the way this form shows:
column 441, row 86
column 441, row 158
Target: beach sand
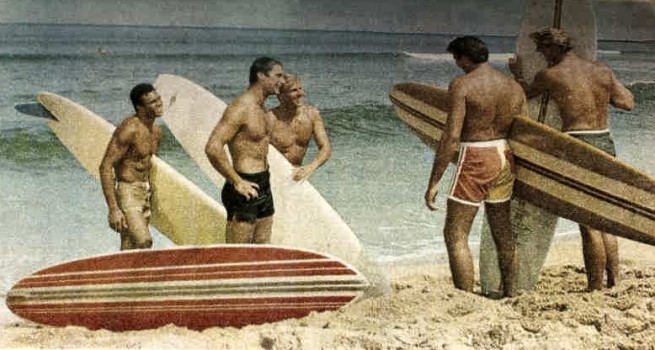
column 424, row 311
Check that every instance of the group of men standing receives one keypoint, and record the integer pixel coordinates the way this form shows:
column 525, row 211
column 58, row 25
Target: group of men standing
column 482, row 105
column 246, row 128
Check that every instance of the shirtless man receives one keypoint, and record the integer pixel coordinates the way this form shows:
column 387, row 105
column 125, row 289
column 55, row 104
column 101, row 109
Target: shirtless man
column 245, row 128
column 294, row 125
column 126, row 165
column 483, row 103
column 583, row 91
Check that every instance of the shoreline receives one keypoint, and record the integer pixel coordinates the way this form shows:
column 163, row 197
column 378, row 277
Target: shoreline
column 425, row 311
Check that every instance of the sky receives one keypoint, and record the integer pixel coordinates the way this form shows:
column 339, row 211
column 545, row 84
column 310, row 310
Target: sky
column 616, row 19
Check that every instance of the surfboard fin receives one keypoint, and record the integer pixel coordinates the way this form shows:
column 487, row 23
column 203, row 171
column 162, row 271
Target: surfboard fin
column 35, row 109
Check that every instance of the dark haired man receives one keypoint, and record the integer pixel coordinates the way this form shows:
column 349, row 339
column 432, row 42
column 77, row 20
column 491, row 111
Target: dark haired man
column 245, row 128
column 583, row 91
column 125, row 167
column 483, row 103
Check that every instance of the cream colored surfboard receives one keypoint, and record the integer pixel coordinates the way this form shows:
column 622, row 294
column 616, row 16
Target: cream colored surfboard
column 303, row 218
column 533, row 226
column 180, row 210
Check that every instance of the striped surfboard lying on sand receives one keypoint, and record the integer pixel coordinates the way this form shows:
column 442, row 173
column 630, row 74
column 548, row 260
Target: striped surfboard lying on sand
column 193, row 287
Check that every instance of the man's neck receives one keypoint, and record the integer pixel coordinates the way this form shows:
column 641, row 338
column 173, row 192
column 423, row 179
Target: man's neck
column 473, row 66
column 258, row 94
column 146, row 119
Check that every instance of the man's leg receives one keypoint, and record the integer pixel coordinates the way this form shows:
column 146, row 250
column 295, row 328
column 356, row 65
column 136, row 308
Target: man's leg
column 263, row 230
column 595, row 259
column 498, row 216
column 612, row 258
column 459, row 218
column 239, row 232
column 139, row 233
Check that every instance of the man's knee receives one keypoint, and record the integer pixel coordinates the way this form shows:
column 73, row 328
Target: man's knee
column 143, row 244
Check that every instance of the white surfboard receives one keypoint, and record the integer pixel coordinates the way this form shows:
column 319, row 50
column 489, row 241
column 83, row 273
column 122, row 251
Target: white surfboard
column 303, row 218
column 180, row 210
column 533, row 226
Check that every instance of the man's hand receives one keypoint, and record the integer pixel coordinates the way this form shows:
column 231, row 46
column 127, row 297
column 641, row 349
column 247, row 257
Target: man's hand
column 117, row 220
column 247, row 189
column 302, row 173
column 431, row 197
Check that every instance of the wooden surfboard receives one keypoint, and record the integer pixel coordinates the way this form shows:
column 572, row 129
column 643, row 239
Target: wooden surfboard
column 554, row 171
column 194, row 287
column 303, row 218
column 180, row 210
column 533, row 226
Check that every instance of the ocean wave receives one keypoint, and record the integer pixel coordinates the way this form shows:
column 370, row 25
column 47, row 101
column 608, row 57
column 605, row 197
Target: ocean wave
column 448, row 56
column 372, row 121
column 643, row 91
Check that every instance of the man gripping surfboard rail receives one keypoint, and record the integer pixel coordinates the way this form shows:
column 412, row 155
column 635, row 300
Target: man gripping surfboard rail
column 483, row 103
column 125, row 168
column 582, row 89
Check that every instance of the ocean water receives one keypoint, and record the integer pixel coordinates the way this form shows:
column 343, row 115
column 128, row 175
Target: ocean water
column 51, row 210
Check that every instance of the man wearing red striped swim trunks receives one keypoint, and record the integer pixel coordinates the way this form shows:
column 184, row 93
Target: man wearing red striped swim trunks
column 483, row 103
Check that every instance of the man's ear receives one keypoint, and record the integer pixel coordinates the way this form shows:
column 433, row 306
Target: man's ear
column 260, row 75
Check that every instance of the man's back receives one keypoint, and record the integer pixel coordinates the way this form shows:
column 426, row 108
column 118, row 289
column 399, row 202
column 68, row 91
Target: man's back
column 492, row 100
column 582, row 92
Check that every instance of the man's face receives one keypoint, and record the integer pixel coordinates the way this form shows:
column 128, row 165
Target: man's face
column 152, row 104
column 293, row 93
column 273, row 80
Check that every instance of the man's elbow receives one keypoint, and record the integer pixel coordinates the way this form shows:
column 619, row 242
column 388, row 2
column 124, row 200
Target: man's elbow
column 627, row 103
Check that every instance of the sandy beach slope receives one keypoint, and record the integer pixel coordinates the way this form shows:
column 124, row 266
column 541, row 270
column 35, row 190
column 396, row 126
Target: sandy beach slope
column 424, row 311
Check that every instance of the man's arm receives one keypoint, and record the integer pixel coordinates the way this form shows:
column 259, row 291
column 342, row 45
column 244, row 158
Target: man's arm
column 324, row 147
column 620, row 96
column 116, row 150
column 223, row 133
column 449, row 140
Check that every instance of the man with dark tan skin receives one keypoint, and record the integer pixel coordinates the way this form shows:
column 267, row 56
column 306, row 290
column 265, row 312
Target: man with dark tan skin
column 483, row 103
column 583, row 91
column 294, row 125
column 245, row 128
column 124, row 170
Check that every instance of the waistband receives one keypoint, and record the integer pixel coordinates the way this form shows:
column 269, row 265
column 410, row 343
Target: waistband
column 262, row 175
column 588, row 132
column 490, row 143
column 139, row 184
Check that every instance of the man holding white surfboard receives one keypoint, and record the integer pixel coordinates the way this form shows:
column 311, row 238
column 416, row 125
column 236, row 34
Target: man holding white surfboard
column 125, row 168
column 245, row 128
column 295, row 123
column 582, row 90
column 483, row 103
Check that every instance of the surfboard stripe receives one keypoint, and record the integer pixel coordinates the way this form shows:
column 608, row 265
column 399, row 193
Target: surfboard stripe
column 185, row 274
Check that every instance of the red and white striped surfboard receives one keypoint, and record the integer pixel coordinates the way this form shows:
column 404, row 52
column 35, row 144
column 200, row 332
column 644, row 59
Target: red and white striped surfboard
column 194, row 287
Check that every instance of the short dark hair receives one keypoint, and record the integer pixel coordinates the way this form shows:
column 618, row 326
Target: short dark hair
column 471, row 47
column 138, row 91
column 262, row 65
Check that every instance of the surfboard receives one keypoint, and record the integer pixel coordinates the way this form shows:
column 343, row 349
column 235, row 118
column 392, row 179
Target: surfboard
column 303, row 218
column 533, row 226
column 180, row 210
column 554, row 171
column 193, row 287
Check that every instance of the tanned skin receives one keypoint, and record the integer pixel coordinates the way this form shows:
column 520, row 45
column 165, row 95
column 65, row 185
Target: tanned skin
column 295, row 124
column 583, row 91
column 128, row 159
column 483, row 103
column 245, row 128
